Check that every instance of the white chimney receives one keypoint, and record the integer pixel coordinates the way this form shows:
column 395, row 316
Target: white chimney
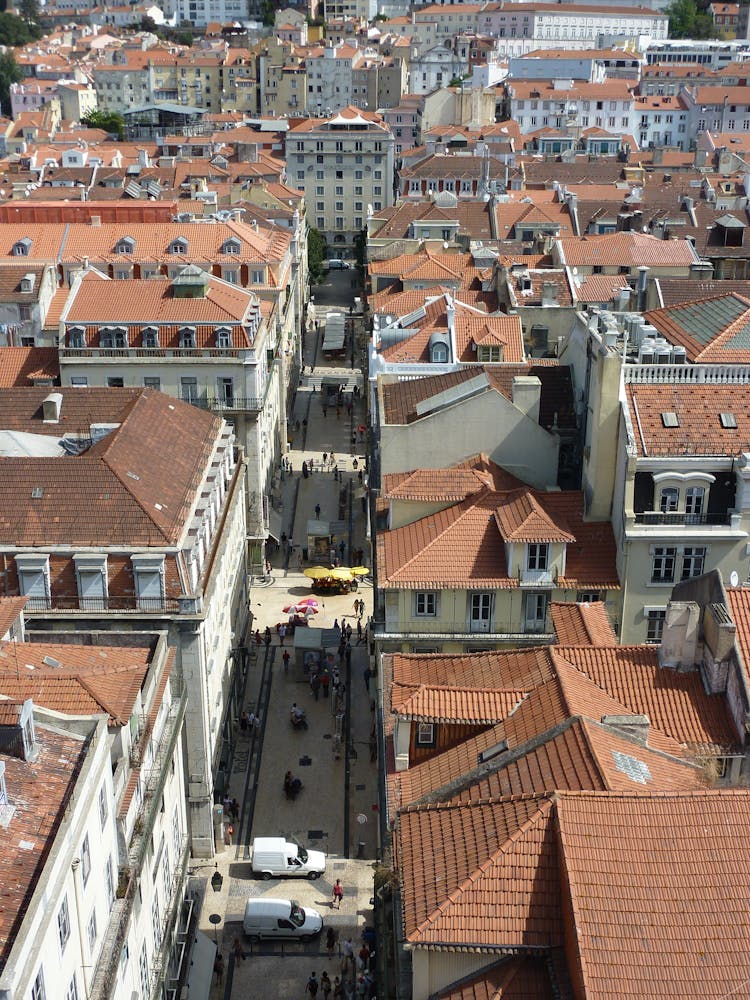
column 679, row 638
column 526, row 394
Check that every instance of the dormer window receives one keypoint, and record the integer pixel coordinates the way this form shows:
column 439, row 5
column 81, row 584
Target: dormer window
column 150, row 337
column 28, row 733
column 179, row 245
column 669, row 500
column 77, row 337
column 223, row 337
column 230, row 246
column 125, row 245
column 22, row 248
column 537, row 557
column 27, row 282
column 187, row 337
column 113, row 337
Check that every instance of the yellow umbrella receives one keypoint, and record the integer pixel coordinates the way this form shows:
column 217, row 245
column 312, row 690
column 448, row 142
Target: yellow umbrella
column 359, row 571
column 340, row 573
column 317, row 572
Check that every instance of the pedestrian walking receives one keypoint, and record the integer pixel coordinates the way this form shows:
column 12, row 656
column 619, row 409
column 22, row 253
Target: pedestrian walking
column 282, row 633
column 342, row 548
column 330, row 941
column 325, row 458
column 359, row 629
column 296, row 425
column 219, row 968
column 325, row 411
column 325, row 985
column 348, row 656
column 315, row 685
column 363, row 957
column 239, row 954
column 312, row 985
column 243, row 722
column 299, row 559
column 325, row 680
column 336, row 623
column 366, row 676
column 258, row 638
column 338, row 895
column 338, row 989
column 331, row 459
column 267, row 637
column 285, row 658
column 347, row 953
column 348, row 631
column 317, row 511
column 235, row 809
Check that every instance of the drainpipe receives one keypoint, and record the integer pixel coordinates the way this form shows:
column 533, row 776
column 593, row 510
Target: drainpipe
column 76, row 864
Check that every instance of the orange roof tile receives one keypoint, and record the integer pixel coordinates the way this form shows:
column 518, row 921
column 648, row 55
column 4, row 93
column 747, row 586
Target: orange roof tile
column 675, row 702
column 432, row 703
column 582, row 624
column 678, row 925
column 492, row 881
column 625, row 248
column 521, row 518
column 22, row 366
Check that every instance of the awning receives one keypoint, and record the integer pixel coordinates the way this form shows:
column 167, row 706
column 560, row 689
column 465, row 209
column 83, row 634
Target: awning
column 274, row 524
column 201, row 969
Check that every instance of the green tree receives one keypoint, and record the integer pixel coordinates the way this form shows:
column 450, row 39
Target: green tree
column 316, row 254
column 10, row 72
column 15, row 31
column 29, row 11
column 688, row 20
column 109, row 121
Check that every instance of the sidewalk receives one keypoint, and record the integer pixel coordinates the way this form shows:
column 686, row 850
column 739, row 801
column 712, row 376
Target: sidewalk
column 337, row 809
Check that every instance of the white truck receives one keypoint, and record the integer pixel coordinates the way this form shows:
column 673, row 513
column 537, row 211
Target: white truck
column 275, row 857
column 280, row 918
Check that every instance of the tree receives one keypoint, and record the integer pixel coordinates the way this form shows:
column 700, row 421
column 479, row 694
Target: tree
column 687, row 20
column 316, row 254
column 29, row 11
column 109, row 121
column 15, row 31
column 10, row 72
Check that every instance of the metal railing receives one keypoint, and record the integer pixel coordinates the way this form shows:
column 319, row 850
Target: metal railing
column 680, row 518
column 251, row 403
column 74, row 602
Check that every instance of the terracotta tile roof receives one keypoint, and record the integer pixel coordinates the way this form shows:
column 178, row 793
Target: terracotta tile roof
column 594, row 289
column 688, row 869
column 21, row 366
column 699, row 430
column 625, row 248
column 473, row 218
column 446, row 485
column 90, row 679
column 527, row 287
column 525, row 668
column 145, row 302
column 521, row 518
column 121, row 483
column 10, row 610
column 41, row 793
column 714, row 330
column 447, row 267
column 739, row 608
column 674, row 291
column 675, row 702
column 431, row 703
column 582, row 624
column 492, row 881
column 424, row 553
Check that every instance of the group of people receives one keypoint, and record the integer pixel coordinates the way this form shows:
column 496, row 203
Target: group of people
column 357, row 977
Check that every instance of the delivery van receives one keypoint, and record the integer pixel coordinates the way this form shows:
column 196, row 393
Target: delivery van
column 280, row 918
column 275, row 857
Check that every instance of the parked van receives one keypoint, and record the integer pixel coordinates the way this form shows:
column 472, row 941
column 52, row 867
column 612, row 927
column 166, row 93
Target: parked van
column 274, row 857
column 337, row 264
column 280, row 918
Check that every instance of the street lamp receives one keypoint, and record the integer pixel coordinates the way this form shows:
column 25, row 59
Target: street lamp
column 217, row 879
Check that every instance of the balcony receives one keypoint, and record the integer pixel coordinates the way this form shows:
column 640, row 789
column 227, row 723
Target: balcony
column 536, row 578
column 121, row 908
column 252, row 404
column 681, row 519
column 74, row 602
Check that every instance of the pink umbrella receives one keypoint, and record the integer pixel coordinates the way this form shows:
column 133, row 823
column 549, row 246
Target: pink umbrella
column 307, row 602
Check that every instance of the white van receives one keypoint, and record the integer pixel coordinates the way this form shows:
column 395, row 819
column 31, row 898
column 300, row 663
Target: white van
column 274, row 857
column 337, row 264
column 280, row 918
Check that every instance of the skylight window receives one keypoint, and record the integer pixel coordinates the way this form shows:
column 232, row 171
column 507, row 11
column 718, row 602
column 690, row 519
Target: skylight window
column 728, row 420
column 635, row 769
column 670, row 419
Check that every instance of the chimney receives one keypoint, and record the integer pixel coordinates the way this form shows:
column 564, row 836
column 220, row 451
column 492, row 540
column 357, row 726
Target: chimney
column 526, row 394
column 636, row 726
column 549, row 293
column 51, row 407
column 679, row 639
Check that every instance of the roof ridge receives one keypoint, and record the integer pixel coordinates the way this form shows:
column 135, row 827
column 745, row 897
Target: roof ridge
column 99, row 700
column 459, row 510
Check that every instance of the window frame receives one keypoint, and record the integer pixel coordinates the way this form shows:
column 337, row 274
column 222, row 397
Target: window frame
column 666, row 557
column 425, row 734
column 425, row 598
column 63, row 923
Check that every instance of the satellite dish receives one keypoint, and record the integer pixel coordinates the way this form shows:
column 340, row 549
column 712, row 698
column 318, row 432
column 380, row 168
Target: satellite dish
column 734, row 578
